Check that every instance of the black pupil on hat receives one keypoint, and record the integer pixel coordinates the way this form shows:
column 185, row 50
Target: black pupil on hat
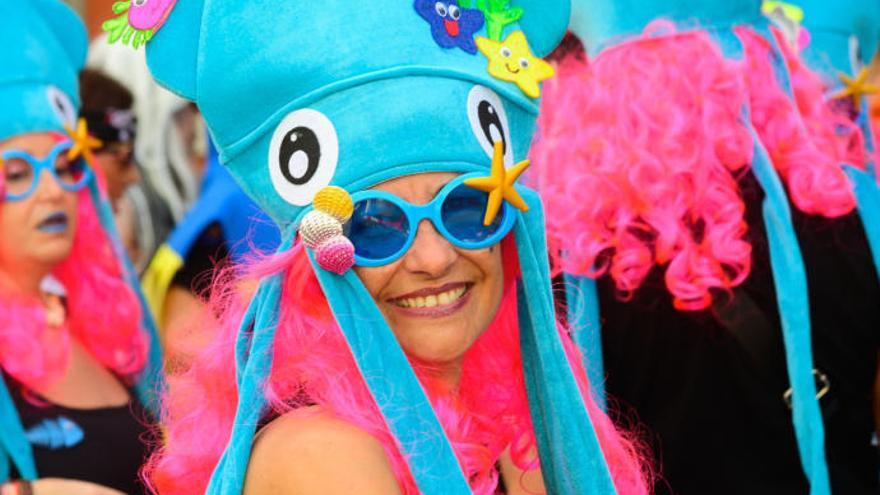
column 300, row 147
column 488, row 119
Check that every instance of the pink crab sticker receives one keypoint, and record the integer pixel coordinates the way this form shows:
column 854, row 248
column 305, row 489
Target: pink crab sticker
column 149, row 14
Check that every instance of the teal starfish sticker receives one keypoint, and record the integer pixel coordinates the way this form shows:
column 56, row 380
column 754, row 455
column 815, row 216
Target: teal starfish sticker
column 499, row 14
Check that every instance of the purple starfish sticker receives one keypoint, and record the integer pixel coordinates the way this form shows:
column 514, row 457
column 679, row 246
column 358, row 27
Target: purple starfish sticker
column 451, row 25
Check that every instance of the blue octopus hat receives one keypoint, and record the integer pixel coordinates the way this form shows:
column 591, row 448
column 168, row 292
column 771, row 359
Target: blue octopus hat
column 42, row 49
column 381, row 90
column 603, row 24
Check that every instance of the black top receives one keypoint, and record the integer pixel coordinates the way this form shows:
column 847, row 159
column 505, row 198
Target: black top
column 715, row 418
column 104, row 446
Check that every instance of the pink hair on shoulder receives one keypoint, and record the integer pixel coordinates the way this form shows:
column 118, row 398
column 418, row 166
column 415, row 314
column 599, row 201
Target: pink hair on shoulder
column 103, row 314
column 808, row 141
column 313, row 366
column 637, row 158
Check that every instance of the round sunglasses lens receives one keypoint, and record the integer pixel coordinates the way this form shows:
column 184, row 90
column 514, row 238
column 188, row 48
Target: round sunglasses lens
column 71, row 174
column 378, row 229
column 18, row 176
column 463, row 212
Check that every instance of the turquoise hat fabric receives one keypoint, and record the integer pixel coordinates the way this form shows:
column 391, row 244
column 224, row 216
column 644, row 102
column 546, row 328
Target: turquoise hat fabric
column 601, row 24
column 367, row 76
column 843, row 34
column 41, row 89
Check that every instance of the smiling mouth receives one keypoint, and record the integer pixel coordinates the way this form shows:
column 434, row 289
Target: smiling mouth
column 511, row 70
column 432, row 299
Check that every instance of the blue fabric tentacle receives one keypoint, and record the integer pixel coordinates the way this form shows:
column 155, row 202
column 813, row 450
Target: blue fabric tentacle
column 868, row 201
column 571, row 458
column 229, row 474
column 402, row 401
column 586, row 330
column 151, row 382
column 790, row 282
column 14, row 445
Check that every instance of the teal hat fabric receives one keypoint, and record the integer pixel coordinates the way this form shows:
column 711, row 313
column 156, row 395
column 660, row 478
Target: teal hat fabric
column 603, row 23
column 345, row 62
column 841, row 33
column 41, row 89
column 379, row 99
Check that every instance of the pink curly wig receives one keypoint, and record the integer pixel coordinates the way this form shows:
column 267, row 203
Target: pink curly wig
column 312, row 366
column 638, row 154
column 103, row 313
column 637, row 158
column 807, row 139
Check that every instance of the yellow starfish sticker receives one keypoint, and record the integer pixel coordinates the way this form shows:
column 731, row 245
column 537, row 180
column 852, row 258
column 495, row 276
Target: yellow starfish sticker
column 500, row 185
column 83, row 143
column 856, row 87
column 512, row 60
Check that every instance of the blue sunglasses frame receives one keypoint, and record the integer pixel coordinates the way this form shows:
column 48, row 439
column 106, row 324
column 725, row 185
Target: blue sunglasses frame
column 47, row 163
column 433, row 211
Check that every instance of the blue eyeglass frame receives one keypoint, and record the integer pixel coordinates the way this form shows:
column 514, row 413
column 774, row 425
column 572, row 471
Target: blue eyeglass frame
column 433, row 211
column 47, row 163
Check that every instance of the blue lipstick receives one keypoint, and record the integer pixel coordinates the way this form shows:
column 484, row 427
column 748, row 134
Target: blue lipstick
column 55, row 223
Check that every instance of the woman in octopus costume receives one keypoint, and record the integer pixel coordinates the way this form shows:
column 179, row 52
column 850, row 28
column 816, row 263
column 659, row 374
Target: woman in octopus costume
column 79, row 361
column 403, row 339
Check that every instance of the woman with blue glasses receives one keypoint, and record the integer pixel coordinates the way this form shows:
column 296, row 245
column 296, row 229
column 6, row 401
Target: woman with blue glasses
column 76, row 358
column 403, row 339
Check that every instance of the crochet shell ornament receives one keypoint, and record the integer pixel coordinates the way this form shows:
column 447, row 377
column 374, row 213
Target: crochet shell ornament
column 137, row 20
column 321, row 230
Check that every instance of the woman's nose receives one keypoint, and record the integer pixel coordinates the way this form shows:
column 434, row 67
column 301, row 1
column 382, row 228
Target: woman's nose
column 431, row 254
column 48, row 188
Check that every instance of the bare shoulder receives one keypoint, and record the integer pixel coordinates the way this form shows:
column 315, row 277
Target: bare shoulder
column 311, row 452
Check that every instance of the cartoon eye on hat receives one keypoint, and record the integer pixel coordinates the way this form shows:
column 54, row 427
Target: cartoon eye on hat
column 303, row 155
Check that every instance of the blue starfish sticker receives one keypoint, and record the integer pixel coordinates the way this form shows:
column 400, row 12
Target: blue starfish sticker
column 451, row 25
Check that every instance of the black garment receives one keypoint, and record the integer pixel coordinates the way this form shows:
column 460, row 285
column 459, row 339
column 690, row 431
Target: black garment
column 717, row 420
column 112, row 449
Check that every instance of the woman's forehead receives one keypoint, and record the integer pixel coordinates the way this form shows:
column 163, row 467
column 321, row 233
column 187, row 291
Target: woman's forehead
column 417, row 188
column 37, row 144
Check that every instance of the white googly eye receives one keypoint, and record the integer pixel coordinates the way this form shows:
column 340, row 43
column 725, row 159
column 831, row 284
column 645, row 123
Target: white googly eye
column 440, row 8
column 505, row 52
column 454, row 12
column 524, row 63
column 489, row 122
column 62, row 106
column 303, row 155
column 140, row 3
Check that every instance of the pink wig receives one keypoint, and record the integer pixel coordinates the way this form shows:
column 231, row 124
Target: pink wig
column 103, row 313
column 313, row 366
column 807, row 140
column 637, row 158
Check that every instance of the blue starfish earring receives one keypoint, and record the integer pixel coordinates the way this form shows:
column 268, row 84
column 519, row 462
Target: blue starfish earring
column 451, row 25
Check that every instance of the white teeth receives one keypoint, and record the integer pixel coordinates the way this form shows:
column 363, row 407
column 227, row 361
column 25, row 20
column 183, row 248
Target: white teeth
column 432, row 301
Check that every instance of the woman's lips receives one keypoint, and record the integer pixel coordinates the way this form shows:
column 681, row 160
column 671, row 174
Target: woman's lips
column 55, row 223
column 434, row 302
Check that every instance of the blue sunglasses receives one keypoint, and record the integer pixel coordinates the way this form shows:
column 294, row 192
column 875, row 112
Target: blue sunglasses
column 21, row 171
column 383, row 226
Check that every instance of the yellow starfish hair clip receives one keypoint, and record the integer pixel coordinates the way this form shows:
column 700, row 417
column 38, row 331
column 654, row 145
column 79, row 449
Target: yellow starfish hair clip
column 500, row 185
